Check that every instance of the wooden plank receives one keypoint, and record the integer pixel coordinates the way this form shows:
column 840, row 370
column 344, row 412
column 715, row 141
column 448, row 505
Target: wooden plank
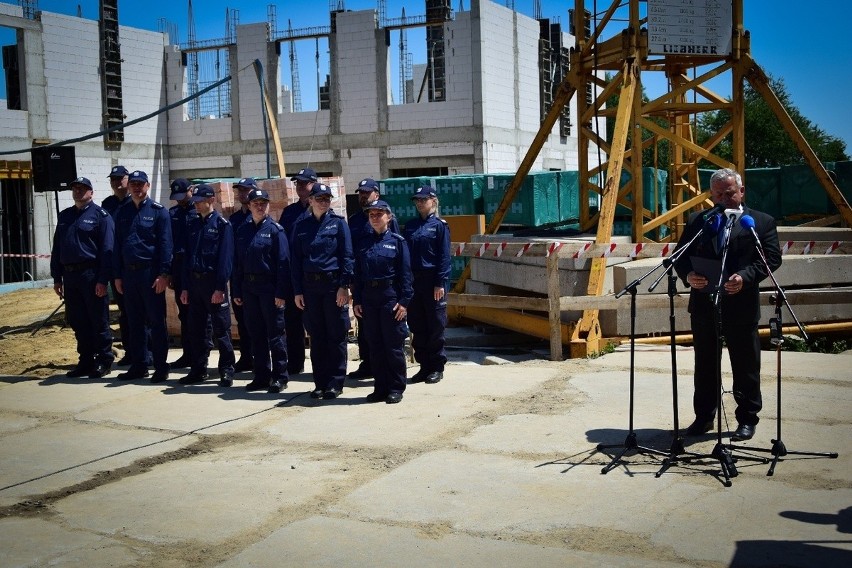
column 553, row 311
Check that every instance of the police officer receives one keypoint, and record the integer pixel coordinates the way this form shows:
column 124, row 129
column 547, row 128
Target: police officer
column 120, row 196
column 293, row 213
column 428, row 238
column 142, row 260
column 381, row 293
column 237, row 219
column 262, row 280
column 81, row 264
column 180, row 214
column 322, row 273
column 359, row 227
column 209, row 260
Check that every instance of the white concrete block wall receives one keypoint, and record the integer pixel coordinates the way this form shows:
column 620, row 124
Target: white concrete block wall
column 358, row 164
column 458, row 58
column 200, row 131
column 357, row 71
column 15, row 124
column 310, row 123
column 498, row 67
column 212, row 162
column 251, row 45
column 429, row 150
column 71, row 72
column 142, row 84
column 430, row 115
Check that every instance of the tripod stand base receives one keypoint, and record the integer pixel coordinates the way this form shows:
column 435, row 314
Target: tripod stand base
column 678, row 454
column 779, row 450
column 630, row 443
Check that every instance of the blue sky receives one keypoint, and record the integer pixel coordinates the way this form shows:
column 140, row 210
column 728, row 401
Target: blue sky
column 806, row 44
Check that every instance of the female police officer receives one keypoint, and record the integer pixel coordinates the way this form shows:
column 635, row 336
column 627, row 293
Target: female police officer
column 322, row 273
column 261, row 283
column 381, row 293
column 428, row 238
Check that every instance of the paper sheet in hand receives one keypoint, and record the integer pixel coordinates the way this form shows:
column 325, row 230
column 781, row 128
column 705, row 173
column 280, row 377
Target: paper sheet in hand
column 710, row 268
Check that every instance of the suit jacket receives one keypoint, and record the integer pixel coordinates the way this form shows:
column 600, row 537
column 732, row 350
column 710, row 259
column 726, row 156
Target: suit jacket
column 743, row 259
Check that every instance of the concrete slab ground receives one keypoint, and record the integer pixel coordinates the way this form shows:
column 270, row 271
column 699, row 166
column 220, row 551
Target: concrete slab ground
column 496, row 465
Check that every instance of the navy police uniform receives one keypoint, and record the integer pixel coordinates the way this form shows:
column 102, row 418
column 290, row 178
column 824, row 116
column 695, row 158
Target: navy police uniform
column 111, row 205
column 359, row 228
column 261, row 274
column 383, row 280
column 293, row 321
column 82, row 258
column 143, row 251
column 429, row 242
column 323, row 263
column 209, row 261
column 181, row 215
column 237, row 220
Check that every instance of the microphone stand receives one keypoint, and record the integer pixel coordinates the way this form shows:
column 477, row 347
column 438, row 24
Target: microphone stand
column 630, row 442
column 778, row 449
column 720, row 452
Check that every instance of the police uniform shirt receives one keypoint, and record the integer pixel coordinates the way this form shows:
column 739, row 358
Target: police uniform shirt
column 210, row 248
column 181, row 217
column 112, row 203
column 291, row 215
column 359, row 227
column 429, row 242
column 384, row 257
column 262, row 249
column 322, row 245
column 237, row 218
column 83, row 235
column 143, row 235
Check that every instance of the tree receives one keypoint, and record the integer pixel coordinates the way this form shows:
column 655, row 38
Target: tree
column 767, row 144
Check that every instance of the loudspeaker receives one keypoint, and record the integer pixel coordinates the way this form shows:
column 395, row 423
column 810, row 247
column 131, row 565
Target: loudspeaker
column 53, row 168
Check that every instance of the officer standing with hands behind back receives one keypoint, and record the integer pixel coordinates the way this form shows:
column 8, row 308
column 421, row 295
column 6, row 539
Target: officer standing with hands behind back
column 237, row 219
column 81, row 264
column 207, row 269
column 142, row 261
column 120, row 196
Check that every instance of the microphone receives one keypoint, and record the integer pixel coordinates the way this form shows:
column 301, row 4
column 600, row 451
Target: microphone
column 710, row 212
column 732, row 215
column 747, row 223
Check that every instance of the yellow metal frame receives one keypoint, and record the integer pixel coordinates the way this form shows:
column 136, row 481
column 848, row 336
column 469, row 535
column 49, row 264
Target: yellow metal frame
column 626, row 54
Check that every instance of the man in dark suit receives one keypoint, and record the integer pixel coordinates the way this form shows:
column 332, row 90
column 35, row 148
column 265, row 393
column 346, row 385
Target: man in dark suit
column 740, row 304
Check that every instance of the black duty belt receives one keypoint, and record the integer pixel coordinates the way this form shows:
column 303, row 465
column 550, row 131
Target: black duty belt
column 423, row 272
column 201, row 275
column 138, row 265
column 321, row 276
column 257, row 277
column 379, row 283
column 80, row 266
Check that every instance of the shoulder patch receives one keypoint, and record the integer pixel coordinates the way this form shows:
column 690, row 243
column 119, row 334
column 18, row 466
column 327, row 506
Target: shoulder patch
column 397, row 236
column 157, row 205
column 103, row 212
column 280, row 228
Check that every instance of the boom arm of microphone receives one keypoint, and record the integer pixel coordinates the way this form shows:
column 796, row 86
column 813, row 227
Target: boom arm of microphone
column 716, row 209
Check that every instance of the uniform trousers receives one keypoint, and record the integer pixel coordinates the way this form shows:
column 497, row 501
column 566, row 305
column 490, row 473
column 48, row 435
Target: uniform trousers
column 266, row 328
column 744, row 351
column 327, row 324
column 295, row 335
column 203, row 314
column 182, row 309
column 88, row 316
column 145, row 308
column 428, row 320
column 242, row 329
column 385, row 337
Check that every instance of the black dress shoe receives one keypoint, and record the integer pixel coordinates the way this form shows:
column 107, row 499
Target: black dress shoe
column 159, row 376
column 298, row 371
column 419, row 376
column 182, row 362
column 331, row 393
column 132, row 374
column 360, row 373
column 744, row 432
column 394, row 398
column 194, row 377
column 79, row 371
column 434, row 377
column 277, row 386
column 376, row 397
column 100, row 370
column 699, row 427
column 316, row 393
column 243, row 365
column 257, row 386
column 226, row 377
